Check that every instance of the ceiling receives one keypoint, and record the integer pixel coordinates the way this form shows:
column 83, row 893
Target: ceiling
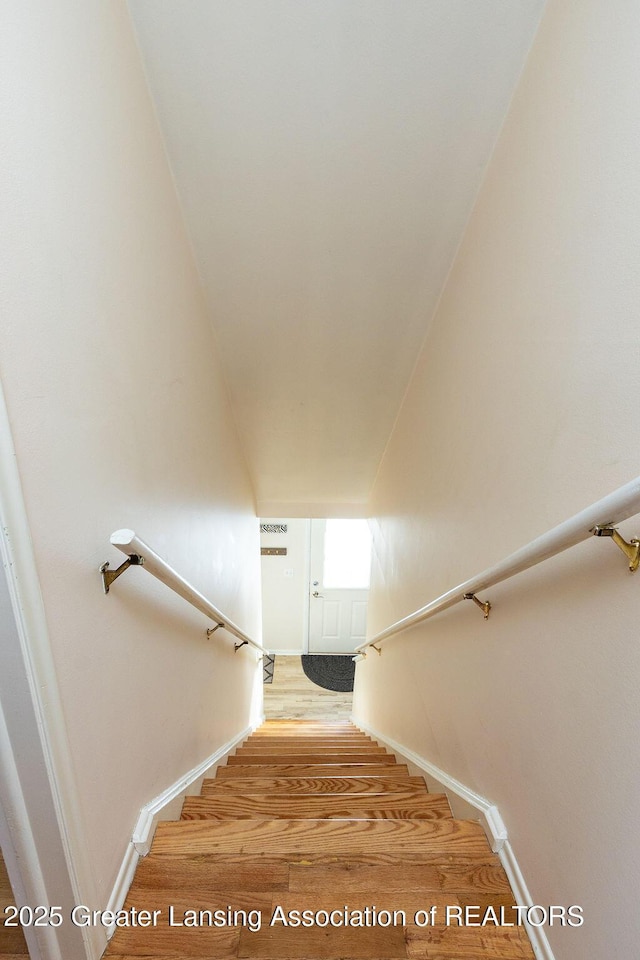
column 327, row 154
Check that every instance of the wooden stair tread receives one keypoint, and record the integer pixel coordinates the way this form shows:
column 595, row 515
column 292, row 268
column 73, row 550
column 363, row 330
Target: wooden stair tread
column 403, row 806
column 278, row 941
column 293, row 736
column 305, row 758
column 249, row 786
column 356, row 943
column 160, row 898
column 467, row 943
column 306, row 726
column 266, row 757
column 460, row 868
column 152, row 942
column 480, row 878
column 300, row 836
column 314, row 770
column 409, row 901
column 279, row 873
column 283, row 737
column 264, row 743
column 289, row 943
column 209, row 874
column 286, row 743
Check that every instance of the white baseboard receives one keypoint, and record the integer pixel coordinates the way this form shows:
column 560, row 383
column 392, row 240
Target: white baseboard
column 521, row 895
column 460, row 796
column 466, row 803
column 166, row 806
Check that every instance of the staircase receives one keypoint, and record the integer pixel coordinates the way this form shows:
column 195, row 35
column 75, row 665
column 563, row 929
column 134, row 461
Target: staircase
column 314, row 816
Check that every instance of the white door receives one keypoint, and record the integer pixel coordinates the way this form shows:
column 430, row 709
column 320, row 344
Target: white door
column 340, row 568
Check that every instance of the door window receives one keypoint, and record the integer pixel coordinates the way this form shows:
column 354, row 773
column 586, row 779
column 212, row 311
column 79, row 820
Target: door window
column 347, row 555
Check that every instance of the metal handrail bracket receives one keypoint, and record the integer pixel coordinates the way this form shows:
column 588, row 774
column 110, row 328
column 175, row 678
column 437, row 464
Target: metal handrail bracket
column 597, row 520
column 140, row 553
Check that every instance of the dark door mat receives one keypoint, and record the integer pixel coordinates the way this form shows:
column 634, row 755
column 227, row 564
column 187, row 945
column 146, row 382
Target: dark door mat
column 268, row 666
column 330, row 672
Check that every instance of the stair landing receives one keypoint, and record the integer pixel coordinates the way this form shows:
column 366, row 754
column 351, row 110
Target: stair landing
column 314, row 843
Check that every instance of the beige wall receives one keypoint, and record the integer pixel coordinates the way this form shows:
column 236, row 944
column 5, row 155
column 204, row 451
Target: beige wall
column 119, row 417
column 285, row 587
column 524, row 409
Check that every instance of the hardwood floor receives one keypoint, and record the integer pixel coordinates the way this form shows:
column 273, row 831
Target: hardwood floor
column 359, row 845
column 292, row 694
column 13, row 946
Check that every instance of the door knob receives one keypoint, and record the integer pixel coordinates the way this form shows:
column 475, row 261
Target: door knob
column 316, row 594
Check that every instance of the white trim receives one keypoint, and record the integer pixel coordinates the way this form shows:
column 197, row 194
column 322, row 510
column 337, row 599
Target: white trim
column 489, row 816
column 306, row 612
column 39, row 671
column 19, row 851
column 537, row 936
column 156, row 809
column 123, row 881
column 166, row 806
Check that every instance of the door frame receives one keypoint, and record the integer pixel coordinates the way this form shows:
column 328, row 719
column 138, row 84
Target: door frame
column 40, row 819
column 307, row 580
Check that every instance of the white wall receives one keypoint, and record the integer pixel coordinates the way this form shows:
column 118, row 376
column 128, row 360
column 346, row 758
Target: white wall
column 119, row 417
column 285, row 587
column 523, row 409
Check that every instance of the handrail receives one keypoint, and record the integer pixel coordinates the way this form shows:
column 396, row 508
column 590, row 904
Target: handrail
column 599, row 519
column 140, row 554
